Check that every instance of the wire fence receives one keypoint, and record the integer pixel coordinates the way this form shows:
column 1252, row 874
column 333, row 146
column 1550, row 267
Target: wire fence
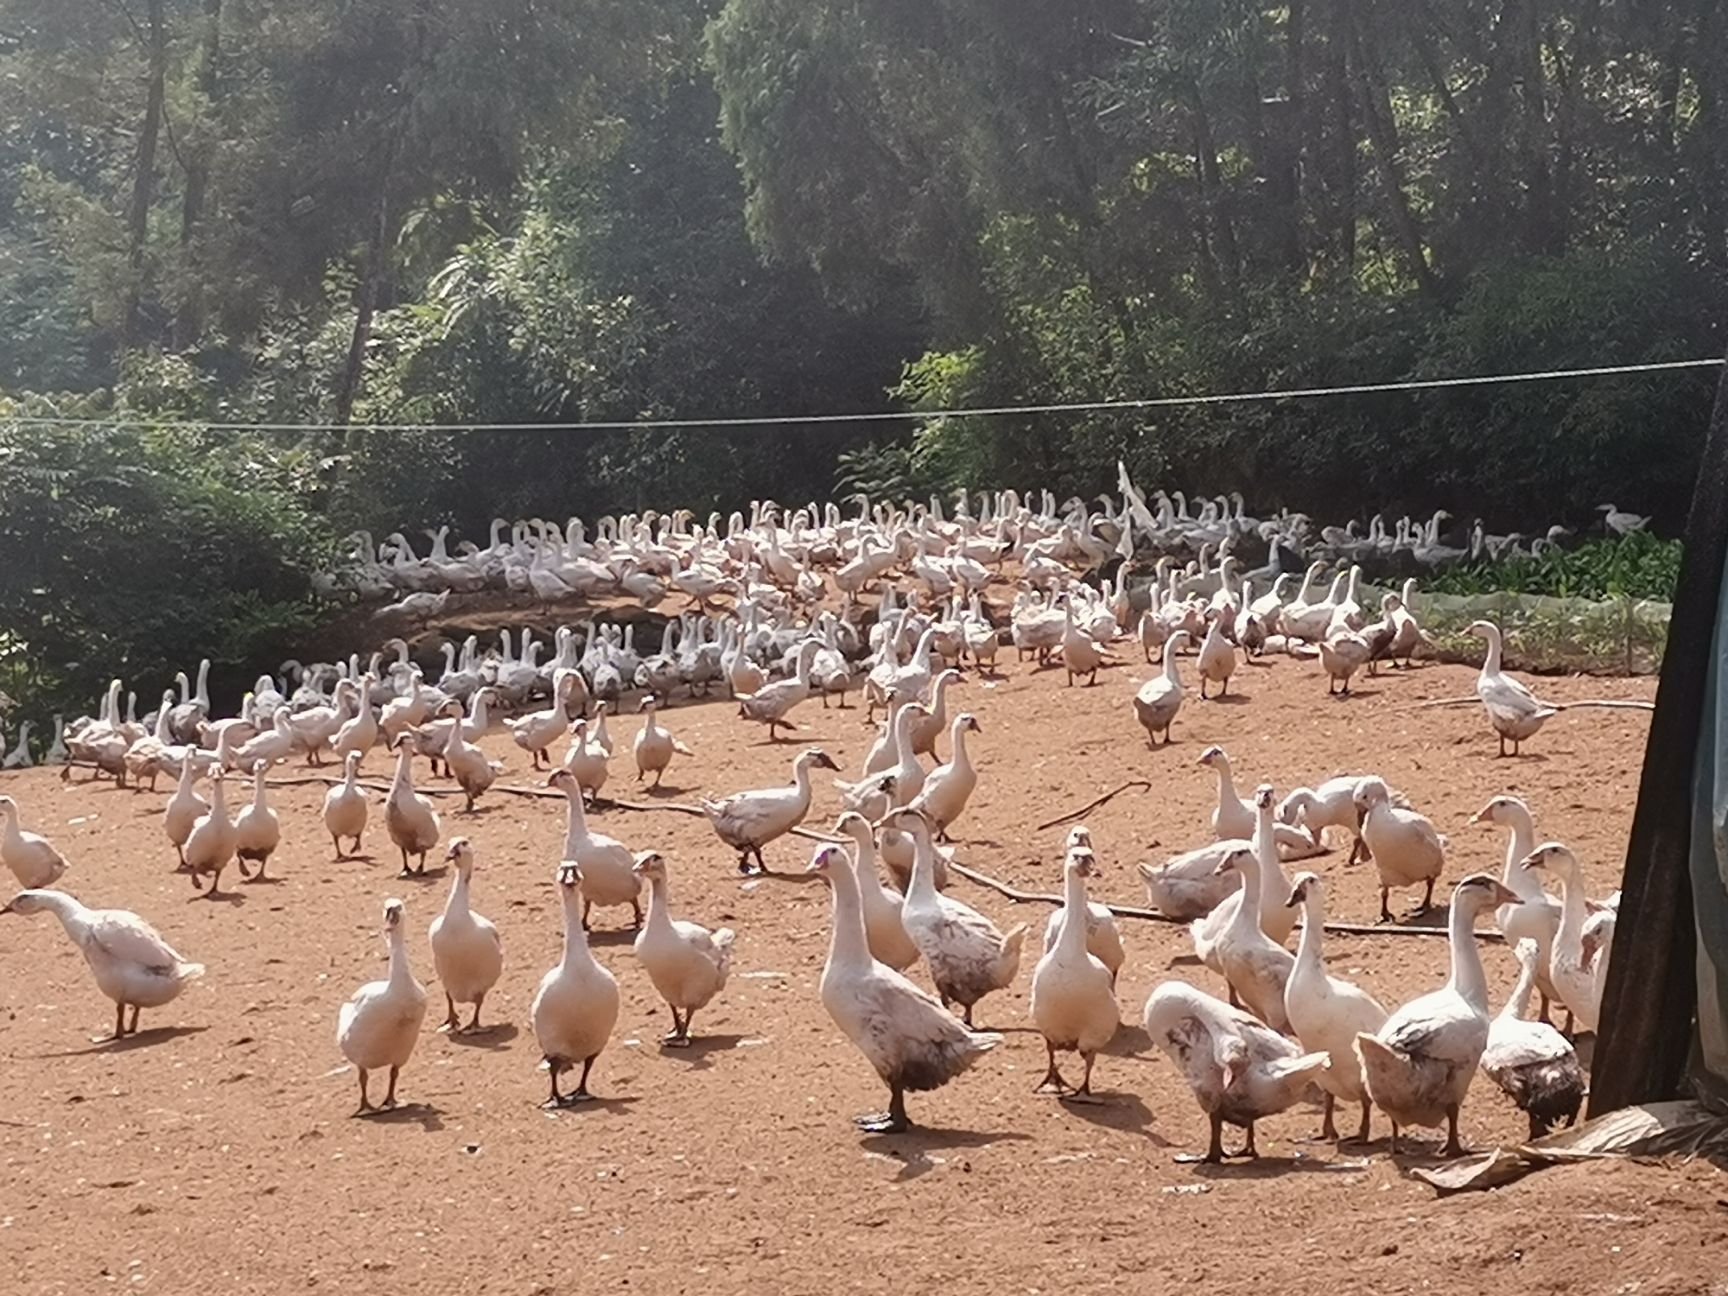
column 1546, row 635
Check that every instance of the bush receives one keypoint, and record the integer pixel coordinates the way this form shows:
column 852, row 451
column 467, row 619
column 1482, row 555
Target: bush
column 134, row 552
column 1638, row 566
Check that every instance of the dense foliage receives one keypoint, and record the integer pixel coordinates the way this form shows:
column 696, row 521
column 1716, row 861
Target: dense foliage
column 1638, row 566
column 564, row 211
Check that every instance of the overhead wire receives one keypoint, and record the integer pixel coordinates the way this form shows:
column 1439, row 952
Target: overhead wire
column 883, row 416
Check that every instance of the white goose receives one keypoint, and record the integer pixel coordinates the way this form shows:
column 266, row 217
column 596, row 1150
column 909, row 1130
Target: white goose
column 1574, row 981
column 608, row 868
column 467, row 952
column 1235, row 818
column 1073, row 993
column 1189, row 885
column 211, row 844
column 967, row 954
column 1239, row 1069
column 131, row 962
column 654, row 746
column 1327, row 1014
column 748, row 821
column 408, row 816
column 1160, row 697
column 772, row 703
column 184, row 809
column 31, row 857
column 345, row 807
column 1256, row 967
column 1103, row 937
column 1216, row 662
column 687, row 963
column 587, row 759
column 379, row 1026
column 1513, row 710
column 466, row 763
column 948, row 788
column 1406, row 848
column 889, row 942
column 257, row 831
column 911, row 1040
column 1277, row 914
column 576, row 1006
column 1418, row 1066
column 1534, row 1064
column 1536, row 915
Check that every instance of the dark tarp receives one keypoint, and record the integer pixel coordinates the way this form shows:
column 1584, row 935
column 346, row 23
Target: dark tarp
column 1669, row 939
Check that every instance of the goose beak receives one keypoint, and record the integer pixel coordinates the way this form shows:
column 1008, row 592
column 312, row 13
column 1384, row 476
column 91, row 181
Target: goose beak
column 1481, row 816
column 7, row 908
column 1504, row 894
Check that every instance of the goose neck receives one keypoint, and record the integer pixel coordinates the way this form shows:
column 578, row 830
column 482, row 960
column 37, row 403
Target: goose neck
column 1469, row 980
column 400, row 974
column 458, row 901
column 1491, row 662
column 1308, row 946
column 1518, row 1002
column 848, row 945
column 1073, row 937
column 576, row 951
column 576, row 827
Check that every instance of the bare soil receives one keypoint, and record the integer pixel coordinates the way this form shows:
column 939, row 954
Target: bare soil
column 217, row 1151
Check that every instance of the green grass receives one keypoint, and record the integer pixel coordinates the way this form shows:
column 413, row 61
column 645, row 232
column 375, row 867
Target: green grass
column 1638, row 566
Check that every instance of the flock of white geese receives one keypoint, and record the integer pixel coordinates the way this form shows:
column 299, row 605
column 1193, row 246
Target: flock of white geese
column 1290, row 1029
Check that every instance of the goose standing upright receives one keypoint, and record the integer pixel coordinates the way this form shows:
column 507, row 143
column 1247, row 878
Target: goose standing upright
column 184, row 809
column 948, row 788
column 1513, row 710
column 1574, row 981
column 1406, row 848
column 257, row 832
column 1534, row 1064
column 967, row 954
column 467, row 952
column 576, row 1006
column 1418, row 1066
column 31, row 857
column 131, row 962
column 654, row 746
column 346, row 807
column 1327, row 1014
column 1256, row 967
column 889, row 942
column 913, row 1042
column 608, row 868
column 211, row 844
column 1160, row 697
column 1536, row 916
column 408, row 816
column 1238, row 1068
column 1073, row 993
column 379, row 1026
column 687, row 963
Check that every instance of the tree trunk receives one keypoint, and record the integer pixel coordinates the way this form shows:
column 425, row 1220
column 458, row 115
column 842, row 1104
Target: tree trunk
column 1709, row 73
column 144, row 169
column 1343, row 138
column 375, row 270
column 189, row 320
column 1383, row 133
column 1533, row 133
column 1212, row 189
column 1570, row 76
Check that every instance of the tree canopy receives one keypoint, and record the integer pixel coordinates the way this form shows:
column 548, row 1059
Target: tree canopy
column 563, row 211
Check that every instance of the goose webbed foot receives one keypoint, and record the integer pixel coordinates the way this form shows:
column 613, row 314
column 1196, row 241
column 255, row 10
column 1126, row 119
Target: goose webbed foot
column 892, row 1121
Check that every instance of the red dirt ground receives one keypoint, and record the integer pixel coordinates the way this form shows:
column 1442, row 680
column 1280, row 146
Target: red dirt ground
column 217, row 1152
